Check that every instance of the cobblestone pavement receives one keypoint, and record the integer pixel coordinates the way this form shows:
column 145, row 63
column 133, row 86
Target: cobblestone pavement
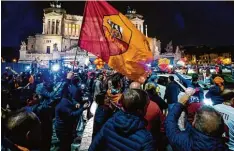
column 87, row 136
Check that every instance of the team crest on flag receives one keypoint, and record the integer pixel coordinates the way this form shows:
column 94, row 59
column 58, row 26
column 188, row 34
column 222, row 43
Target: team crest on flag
column 117, row 34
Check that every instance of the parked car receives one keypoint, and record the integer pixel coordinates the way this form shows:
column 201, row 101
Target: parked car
column 163, row 82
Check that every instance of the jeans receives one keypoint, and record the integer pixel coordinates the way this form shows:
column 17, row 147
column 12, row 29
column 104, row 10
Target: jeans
column 65, row 141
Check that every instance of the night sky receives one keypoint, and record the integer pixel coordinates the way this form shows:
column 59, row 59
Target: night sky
column 186, row 23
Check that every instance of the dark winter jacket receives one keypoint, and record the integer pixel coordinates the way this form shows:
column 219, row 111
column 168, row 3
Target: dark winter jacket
column 172, row 92
column 123, row 132
column 75, row 93
column 102, row 114
column 158, row 100
column 66, row 116
column 190, row 139
column 214, row 94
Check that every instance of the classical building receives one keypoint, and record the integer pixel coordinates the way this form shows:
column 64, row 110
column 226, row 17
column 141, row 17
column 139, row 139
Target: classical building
column 60, row 36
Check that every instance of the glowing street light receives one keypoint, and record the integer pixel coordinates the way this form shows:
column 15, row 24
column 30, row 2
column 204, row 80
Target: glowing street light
column 14, row 60
column 55, row 67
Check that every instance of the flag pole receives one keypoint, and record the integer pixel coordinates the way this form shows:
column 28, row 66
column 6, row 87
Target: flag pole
column 75, row 59
column 79, row 37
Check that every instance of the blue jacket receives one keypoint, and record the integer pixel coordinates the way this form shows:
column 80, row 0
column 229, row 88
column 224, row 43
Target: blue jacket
column 199, row 95
column 55, row 94
column 152, row 79
column 66, row 116
column 172, row 92
column 190, row 139
column 214, row 94
column 75, row 92
column 123, row 132
column 102, row 114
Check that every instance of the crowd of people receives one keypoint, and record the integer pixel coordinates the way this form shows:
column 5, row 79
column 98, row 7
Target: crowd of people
column 128, row 116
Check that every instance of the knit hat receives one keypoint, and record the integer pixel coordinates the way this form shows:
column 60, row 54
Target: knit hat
column 150, row 86
column 195, row 77
column 218, row 80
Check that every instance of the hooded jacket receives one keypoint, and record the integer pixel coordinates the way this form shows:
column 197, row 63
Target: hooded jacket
column 66, row 116
column 123, row 132
column 190, row 139
column 214, row 94
column 172, row 92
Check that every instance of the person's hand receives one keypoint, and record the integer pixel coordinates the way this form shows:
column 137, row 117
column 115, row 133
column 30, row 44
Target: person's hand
column 70, row 75
column 77, row 105
column 8, row 68
column 197, row 89
column 184, row 99
column 86, row 105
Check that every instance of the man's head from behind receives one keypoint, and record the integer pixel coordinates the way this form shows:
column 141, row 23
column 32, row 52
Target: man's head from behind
column 135, row 85
column 171, row 78
column 150, row 88
column 23, row 128
column 208, row 121
column 100, row 76
column 195, row 78
column 135, row 102
column 228, row 96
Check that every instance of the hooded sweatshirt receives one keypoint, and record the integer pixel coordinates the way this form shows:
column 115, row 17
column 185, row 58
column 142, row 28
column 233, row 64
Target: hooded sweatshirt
column 125, row 132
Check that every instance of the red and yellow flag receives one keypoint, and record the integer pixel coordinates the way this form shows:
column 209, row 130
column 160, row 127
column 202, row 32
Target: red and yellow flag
column 111, row 36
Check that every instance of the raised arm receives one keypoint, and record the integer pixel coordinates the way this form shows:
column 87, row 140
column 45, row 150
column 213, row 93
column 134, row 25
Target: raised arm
column 173, row 133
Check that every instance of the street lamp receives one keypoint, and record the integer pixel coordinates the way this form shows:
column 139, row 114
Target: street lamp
column 14, row 60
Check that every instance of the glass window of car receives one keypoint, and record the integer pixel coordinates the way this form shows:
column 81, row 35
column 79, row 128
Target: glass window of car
column 163, row 81
column 181, row 88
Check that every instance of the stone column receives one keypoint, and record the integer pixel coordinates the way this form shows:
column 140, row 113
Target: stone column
column 71, row 30
column 55, row 26
column 75, row 30
column 43, row 32
column 146, row 32
column 142, row 30
column 138, row 27
column 59, row 27
column 50, row 26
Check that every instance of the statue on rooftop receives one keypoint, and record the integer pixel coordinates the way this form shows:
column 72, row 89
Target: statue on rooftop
column 177, row 53
column 128, row 10
column 169, row 48
column 23, row 46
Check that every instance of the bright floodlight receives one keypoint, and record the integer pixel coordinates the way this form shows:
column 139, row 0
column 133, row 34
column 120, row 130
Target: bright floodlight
column 149, row 65
column 208, row 102
column 55, row 67
column 27, row 68
column 90, row 67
